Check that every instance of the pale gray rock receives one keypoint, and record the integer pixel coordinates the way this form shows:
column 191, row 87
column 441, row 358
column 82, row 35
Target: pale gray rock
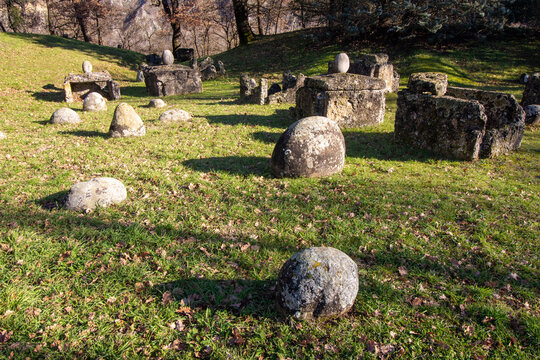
column 2, row 135
column 86, row 67
column 532, row 114
column 157, row 103
column 167, row 57
column 94, row 102
column 342, row 63
column 175, row 79
column 140, row 76
column 65, row 116
column 428, row 82
column 310, row 147
column 174, row 115
column 98, row 192
column 317, row 283
column 126, row 122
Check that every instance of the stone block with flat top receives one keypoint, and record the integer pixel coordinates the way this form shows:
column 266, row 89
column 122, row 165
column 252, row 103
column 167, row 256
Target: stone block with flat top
column 164, row 80
column 77, row 86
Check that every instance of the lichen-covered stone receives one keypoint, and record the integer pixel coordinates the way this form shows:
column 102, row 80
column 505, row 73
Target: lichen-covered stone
column 532, row 114
column 167, row 57
column 65, row 116
column 209, row 73
column 376, row 65
column 78, row 86
column 126, row 122
column 140, row 76
column 342, row 63
column 291, row 84
column 317, row 283
column 531, row 95
column 350, row 100
column 172, row 79
column 174, row 115
column 156, row 103
column 86, row 67
column 94, row 102
column 247, row 85
column 430, row 82
column 98, row 192
column 310, row 147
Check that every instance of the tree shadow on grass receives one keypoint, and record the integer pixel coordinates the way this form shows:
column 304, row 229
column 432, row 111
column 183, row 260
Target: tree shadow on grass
column 51, row 94
column 86, row 133
column 240, row 165
column 134, row 91
column 280, row 119
column 266, row 137
column 239, row 296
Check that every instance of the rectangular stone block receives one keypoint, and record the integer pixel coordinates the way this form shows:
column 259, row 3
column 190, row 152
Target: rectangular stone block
column 430, row 82
column 77, row 86
column 165, row 80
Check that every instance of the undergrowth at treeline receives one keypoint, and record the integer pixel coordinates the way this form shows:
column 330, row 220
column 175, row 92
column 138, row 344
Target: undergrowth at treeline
column 448, row 251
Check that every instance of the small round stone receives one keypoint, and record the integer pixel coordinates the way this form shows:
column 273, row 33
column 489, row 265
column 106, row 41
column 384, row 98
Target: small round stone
column 2, row 135
column 94, row 102
column 318, row 282
column 157, row 103
column 98, row 192
column 342, row 63
column 311, row 147
column 65, row 116
column 532, row 114
column 167, row 57
column 174, row 115
column 86, row 66
column 126, row 122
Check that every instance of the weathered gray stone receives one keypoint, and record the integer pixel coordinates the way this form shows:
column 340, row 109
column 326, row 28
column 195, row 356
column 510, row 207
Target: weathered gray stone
column 350, row 100
column 532, row 114
column 317, row 283
column 65, row 116
column 310, row 147
column 342, row 63
column 86, row 67
column 98, row 192
column 173, row 79
column 247, row 85
column 77, row 86
column 206, row 62
column 465, row 124
column 395, row 82
column 156, row 103
column 531, row 95
column 94, row 102
column 174, row 115
column 2, row 135
column 262, row 91
column 126, row 122
column 376, row 65
column 140, row 76
column 221, row 68
column 430, row 82
column 209, row 73
column 167, row 57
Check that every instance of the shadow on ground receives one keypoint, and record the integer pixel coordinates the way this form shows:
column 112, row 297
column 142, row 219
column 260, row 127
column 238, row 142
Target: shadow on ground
column 239, row 165
column 86, row 133
column 280, row 119
column 51, row 94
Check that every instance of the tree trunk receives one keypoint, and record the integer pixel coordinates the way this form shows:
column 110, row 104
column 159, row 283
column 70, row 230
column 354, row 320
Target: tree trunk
column 259, row 21
column 82, row 26
column 245, row 34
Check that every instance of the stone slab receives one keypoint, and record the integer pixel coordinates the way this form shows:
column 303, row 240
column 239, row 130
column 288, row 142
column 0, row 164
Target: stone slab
column 164, row 80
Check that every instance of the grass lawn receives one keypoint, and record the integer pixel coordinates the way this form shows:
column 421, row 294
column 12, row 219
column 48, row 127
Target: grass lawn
column 448, row 251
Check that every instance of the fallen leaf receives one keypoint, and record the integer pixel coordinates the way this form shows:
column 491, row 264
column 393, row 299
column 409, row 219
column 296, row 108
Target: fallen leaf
column 166, row 298
column 402, row 271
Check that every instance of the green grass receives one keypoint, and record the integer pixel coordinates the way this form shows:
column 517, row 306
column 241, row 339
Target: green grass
column 186, row 266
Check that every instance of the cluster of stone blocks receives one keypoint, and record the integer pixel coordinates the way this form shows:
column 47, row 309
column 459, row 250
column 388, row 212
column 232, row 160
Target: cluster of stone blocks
column 261, row 94
column 456, row 122
column 77, row 86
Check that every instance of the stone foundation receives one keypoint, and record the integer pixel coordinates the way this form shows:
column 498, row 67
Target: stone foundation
column 165, row 80
column 77, row 86
column 350, row 100
column 464, row 124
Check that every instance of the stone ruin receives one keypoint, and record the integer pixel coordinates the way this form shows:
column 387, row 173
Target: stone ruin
column 210, row 70
column 350, row 100
column 275, row 94
column 456, row 122
column 77, row 86
column 531, row 95
column 172, row 79
column 373, row 65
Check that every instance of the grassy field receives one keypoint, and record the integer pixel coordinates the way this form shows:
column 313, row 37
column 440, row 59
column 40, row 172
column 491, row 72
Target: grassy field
column 448, row 251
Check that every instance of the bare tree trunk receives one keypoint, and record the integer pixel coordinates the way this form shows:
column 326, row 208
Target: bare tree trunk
column 245, row 34
column 259, row 21
column 277, row 16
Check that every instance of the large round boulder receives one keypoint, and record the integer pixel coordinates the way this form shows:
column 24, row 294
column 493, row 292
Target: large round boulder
column 94, row 102
column 126, row 122
column 167, row 57
column 174, row 115
column 98, row 192
column 156, row 103
column 310, row 147
column 532, row 114
column 342, row 63
column 318, row 282
column 65, row 116
column 86, row 66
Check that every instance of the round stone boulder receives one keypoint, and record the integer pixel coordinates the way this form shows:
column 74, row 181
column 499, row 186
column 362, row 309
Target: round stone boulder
column 532, row 114
column 317, row 283
column 342, row 63
column 167, row 57
column 94, row 102
column 126, row 122
column 311, row 147
column 157, row 103
column 174, row 115
column 86, row 67
column 2, row 135
column 65, row 116
column 98, row 192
